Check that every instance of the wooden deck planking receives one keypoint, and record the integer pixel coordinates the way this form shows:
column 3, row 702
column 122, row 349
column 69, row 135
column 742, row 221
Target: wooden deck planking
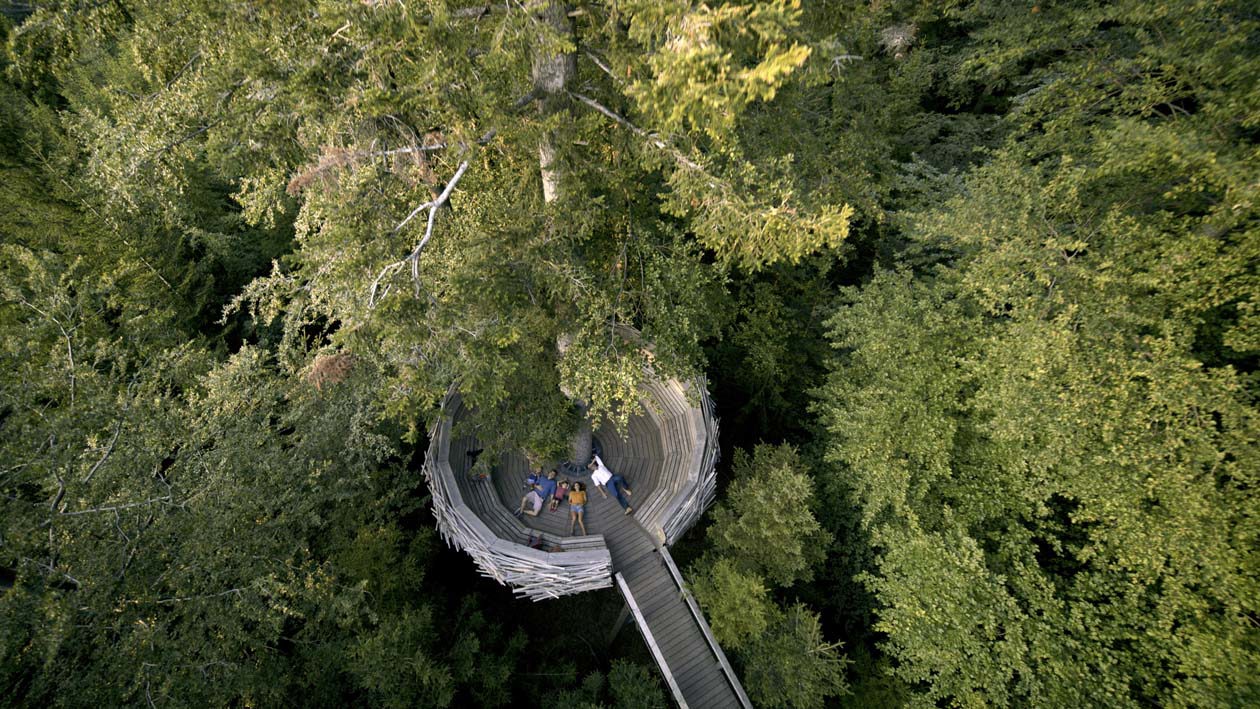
column 670, row 618
column 708, row 683
column 678, row 642
column 688, row 658
column 710, row 693
column 693, row 663
column 663, row 597
column 698, row 676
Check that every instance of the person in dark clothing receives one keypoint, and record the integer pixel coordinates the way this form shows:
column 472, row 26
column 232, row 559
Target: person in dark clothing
column 547, row 486
column 621, row 491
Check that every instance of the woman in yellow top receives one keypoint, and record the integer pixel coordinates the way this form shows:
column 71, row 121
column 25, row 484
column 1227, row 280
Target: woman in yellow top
column 577, row 506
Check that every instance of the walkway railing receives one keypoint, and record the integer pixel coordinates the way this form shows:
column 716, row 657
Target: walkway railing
column 651, row 641
column 696, row 613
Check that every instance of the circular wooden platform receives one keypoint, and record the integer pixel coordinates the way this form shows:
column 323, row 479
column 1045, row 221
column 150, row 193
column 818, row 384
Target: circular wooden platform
column 668, row 455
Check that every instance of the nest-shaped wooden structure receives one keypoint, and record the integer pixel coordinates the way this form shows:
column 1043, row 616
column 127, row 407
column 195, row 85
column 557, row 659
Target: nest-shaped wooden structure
column 668, row 453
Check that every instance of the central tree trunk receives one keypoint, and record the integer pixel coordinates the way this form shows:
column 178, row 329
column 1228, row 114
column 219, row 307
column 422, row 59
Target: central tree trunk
column 582, row 440
column 552, row 73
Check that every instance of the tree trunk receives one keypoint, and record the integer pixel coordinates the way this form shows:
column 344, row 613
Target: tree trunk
column 582, row 438
column 552, row 73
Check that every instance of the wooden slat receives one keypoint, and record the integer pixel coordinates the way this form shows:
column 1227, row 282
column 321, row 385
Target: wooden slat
column 673, row 625
column 686, row 664
column 717, row 694
column 708, row 683
column 664, row 597
column 532, row 573
column 699, row 683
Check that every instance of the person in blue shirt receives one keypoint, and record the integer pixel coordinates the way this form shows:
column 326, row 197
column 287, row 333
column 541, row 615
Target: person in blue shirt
column 547, row 486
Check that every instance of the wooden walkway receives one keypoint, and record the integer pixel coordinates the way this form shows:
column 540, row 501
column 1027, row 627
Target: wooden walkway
column 672, row 625
column 694, row 666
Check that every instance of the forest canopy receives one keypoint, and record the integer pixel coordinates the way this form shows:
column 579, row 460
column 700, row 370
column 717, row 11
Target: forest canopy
column 974, row 284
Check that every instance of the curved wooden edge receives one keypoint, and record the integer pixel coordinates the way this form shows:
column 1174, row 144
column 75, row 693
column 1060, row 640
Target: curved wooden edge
column 683, row 410
column 444, row 456
column 530, row 572
column 650, row 640
column 706, row 630
column 699, row 492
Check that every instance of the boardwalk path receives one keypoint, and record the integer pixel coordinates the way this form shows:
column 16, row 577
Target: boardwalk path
column 691, row 665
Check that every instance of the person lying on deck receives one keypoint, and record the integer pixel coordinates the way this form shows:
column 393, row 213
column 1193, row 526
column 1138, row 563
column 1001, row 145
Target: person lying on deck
column 605, row 478
column 532, row 479
column 535, row 502
column 562, row 490
column 547, row 486
column 577, row 507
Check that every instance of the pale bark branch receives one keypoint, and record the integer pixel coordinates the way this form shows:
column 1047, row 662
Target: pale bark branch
column 181, row 599
column 653, row 139
column 66, row 335
column 104, row 456
column 429, row 148
column 525, row 100
column 52, row 570
column 114, row 508
column 48, row 166
column 61, row 493
column 600, row 63
column 413, row 259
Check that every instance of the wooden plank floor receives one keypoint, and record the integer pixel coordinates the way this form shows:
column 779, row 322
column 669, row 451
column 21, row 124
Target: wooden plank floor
column 600, row 512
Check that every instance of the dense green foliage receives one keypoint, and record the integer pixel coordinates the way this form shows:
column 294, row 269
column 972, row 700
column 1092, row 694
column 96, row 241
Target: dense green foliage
column 1045, row 417
column 765, row 535
column 975, row 283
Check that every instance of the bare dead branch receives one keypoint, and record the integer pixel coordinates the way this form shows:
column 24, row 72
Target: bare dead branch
column 335, row 159
column 171, row 82
column 653, row 139
column 39, row 154
column 472, row 13
column 434, row 147
column 114, row 508
column 181, row 599
column 600, row 63
column 413, row 259
column 52, row 570
column 66, row 335
column 525, row 100
column 61, row 493
column 108, row 449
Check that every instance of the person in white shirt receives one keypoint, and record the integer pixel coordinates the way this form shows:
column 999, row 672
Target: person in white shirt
column 607, row 479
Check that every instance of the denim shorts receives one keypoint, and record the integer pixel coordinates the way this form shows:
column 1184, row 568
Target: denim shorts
column 577, row 508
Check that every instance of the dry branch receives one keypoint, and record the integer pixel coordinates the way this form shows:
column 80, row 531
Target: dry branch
column 336, row 158
column 653, row 139
column 108, row 449
column 413, row 259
